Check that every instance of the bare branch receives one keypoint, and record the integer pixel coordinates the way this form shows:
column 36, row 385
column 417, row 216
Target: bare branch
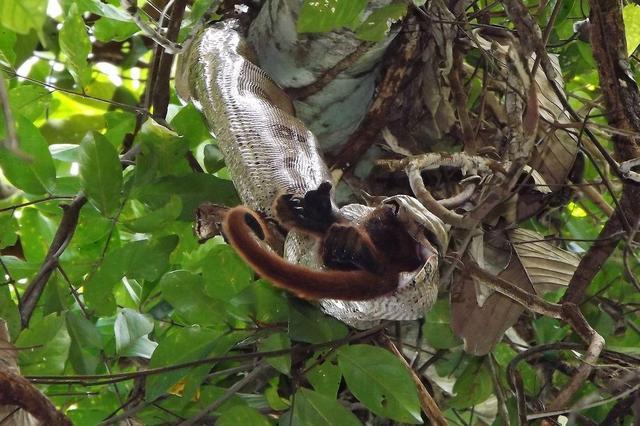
column 61, row 240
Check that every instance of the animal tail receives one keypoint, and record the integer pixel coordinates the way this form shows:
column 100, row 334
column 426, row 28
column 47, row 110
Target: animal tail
column 303, row 282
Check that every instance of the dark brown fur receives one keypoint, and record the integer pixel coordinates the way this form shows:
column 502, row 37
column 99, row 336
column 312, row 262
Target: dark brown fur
column 365, row 259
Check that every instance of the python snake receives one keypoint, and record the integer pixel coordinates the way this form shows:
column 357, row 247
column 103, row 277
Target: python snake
column 268, row 152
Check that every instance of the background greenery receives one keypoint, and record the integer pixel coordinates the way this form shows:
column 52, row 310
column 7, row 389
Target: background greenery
column 134, row 291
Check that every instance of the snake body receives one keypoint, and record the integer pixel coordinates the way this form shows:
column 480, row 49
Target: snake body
column 268, row 152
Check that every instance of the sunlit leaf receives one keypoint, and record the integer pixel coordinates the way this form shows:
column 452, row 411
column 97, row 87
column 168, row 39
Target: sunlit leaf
column 30, row 100
column 132, row 334
column 38, row 230
column 7, row 41
column 74, row 43
column 631, row 18
column 100, row 172
column 327, row 15
column 32, row 169
column 378, row 24
column 9, row 309
column 106, row 29
column 23, row 16
column 103, row 9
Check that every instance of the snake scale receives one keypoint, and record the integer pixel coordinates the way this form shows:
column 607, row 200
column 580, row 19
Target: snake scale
column 269, row 152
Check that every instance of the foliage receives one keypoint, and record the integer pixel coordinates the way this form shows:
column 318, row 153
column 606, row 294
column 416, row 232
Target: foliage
column 134, row 292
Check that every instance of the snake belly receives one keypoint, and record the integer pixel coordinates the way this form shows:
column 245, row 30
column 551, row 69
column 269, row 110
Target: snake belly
column 268, row 152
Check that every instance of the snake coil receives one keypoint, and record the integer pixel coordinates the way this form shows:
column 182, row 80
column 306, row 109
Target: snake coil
column 268, row 152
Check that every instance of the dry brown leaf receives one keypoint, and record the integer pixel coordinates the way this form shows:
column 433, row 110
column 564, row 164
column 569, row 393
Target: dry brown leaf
column 547, row 266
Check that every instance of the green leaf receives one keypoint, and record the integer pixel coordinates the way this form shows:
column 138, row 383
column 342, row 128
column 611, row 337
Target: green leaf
column 92, row 228
column 101, row 173
column 103, row 9
column 565, row 10
column 378, row 23
column 75, row 44
column 225, row 273
column 162, row 154
column 381, row 382
column 313, row 408
column 275, row 342
column 7, row 41
column 274, row 399
column 503, row 354
column 36, row 232
column 30, row 100
column 157, row 219
column 472, row 387
column 8, row 230
column 141, row 259
column 9, row 310
column 23, row 16
column 262, row 302
column 549, row 330
column 325, row 377
column 86, row 343
column 189, row 124
column 193, row 189
column 118, row 124
column 33, row 171
column 631, row 18
column 107, row 30
column 307, row 324
column 213, row 158
column 327, row 15
column 437, row 330
column 49, row 341
column 132, row 334
column 83, row 331
column 178, row 346
column 242, row 415
column 183, row 290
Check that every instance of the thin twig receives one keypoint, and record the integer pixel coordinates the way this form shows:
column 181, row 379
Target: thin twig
column 429, row 405
column 568, row 312
column 425, row 197
column 233, row 389
column 103, row 379
column 503, row 412
column 576, row 408
column 11, row 136
column 38, row 201
column 61, row 240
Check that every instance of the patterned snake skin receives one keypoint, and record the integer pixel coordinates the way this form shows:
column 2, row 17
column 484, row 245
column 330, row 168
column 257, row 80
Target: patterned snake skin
column 268, row 151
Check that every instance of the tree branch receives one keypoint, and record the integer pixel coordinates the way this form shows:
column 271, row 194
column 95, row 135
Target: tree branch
column 622, row 101
column 61, row 240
